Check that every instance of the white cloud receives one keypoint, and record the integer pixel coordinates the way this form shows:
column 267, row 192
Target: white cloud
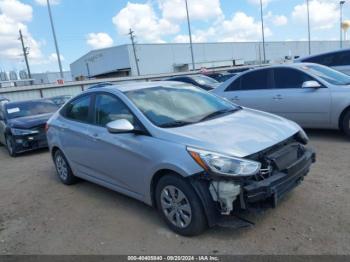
column 280, row 20
column 323, row 14
column 53, row 57
column 198, row 9
column 13, row 15
column 239, row 28
column 16, row 10
column 144, row 21
column 44, row 2
column 277, row 20
column 99, row 40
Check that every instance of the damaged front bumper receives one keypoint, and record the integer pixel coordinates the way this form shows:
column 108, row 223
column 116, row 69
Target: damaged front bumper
column 254, row 194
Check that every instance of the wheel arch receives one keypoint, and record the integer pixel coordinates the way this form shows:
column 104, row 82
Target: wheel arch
column 155, row 179
column 341, row 118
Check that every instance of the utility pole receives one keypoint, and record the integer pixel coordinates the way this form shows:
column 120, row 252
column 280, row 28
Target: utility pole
column 132, row 38
column 25, row 54
column 308, row 24
column 341, row 3
column 263, row 30
column 190, row 35
column 55, row 39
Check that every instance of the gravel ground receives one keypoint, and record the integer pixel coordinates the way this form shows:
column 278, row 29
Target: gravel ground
column 38, row 215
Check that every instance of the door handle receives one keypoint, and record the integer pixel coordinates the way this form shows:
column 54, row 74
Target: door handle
column 277, row 97
column 235, row 98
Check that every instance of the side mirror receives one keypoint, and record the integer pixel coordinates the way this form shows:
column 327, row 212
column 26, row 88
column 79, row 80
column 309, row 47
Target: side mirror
column 120, row 126
column 311, row 84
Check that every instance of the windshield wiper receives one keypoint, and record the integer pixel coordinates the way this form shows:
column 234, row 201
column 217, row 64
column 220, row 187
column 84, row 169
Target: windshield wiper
column 218, row 113
column 175, row 124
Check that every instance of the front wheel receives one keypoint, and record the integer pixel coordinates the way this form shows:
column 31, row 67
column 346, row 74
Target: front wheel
column 63, row 169
column 10, row 145
column 346, row 124
column 179, row 206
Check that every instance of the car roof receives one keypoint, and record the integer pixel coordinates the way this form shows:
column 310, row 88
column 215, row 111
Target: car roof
column 301, row 59
column 126, row 87
column 291, row 65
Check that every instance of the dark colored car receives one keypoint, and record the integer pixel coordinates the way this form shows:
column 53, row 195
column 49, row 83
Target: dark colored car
column 59, row 100
column 22, row 125
column 226, row 77
column 3, row 99
column 338, row 60
column 202, row 81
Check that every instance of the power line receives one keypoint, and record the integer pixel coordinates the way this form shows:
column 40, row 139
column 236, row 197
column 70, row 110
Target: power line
column 25, row 53
column 132, row 38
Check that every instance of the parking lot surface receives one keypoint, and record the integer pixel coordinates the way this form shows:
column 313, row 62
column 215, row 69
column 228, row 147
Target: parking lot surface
column 38, row 215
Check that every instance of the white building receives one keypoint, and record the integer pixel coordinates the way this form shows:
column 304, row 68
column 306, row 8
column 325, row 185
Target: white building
column 167, row 58
column 50, row 77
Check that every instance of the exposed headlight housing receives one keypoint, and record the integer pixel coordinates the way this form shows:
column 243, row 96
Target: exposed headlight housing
column 224, row 165
column 23, row 132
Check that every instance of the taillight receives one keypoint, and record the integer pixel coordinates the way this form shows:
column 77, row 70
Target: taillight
column 47, row 127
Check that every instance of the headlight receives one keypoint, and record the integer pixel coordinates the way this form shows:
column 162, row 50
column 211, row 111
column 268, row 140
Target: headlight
column 224, row 165
column 23, row 132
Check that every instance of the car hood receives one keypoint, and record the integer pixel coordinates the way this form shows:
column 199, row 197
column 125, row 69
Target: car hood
column 29, row 122
column 239, row 134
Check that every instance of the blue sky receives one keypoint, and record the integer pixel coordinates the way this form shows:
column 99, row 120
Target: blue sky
column 83, row 25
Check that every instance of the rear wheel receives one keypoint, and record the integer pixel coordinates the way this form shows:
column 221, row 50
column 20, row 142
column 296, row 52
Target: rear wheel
column 346, row 123
column 179, row 206
column 63, row 169
column 10, row 145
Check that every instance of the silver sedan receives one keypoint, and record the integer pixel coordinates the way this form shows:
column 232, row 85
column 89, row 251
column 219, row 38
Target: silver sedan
column 312, row 95
column 194, row 156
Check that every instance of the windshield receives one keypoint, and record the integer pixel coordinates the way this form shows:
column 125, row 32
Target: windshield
column 204, row 80
column 178, row 106
column 328, row 74
column 22, row 109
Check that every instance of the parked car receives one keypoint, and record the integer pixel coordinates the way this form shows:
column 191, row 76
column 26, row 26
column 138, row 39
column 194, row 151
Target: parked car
column 22, row 125
column 196, row 164
column 3, row 99
column 59, row 100
column 338, row 60
column 202, row 81
column 312, row 95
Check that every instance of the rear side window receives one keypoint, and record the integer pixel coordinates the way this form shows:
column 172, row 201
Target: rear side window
column 290, row 78
column 235, row 85
column 109, row 108
column 256, row 80
column 78, row 109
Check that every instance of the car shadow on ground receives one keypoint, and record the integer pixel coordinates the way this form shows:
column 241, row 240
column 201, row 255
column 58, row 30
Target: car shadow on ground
column 331, row 135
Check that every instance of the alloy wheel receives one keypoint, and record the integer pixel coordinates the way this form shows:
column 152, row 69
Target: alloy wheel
column 61, row 166
column 176, row 206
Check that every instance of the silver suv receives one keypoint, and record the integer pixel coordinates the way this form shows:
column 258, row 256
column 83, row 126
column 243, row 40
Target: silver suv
column 197, row 158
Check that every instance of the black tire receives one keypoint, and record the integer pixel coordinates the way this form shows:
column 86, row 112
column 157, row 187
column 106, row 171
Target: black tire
column 198, row 222
column 346, row 124
column 64, row 171
column 10, row 145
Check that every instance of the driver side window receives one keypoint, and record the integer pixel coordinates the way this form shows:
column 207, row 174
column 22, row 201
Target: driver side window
column 109, row 108
column 286, row 78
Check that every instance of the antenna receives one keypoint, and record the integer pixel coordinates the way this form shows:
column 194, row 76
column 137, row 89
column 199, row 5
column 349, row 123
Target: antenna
column 132, row 38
